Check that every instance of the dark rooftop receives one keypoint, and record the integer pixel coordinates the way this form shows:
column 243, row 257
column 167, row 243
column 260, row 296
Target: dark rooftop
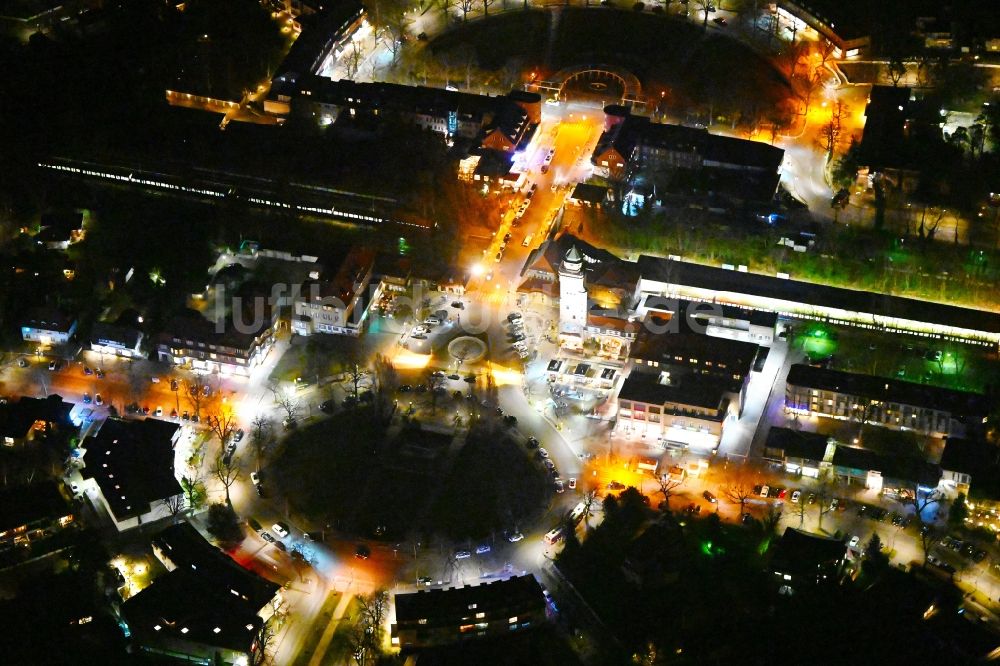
column 914, row 470
column 883, row 140
column 801, row 552
column 22, row 505
column 102, row 333
column 185, row 605
column 958, row 403
column 320, row 32
column 188, row 549
column 593, row 194
column 724, row 280
column 695, row 390
column 662, row 338
column 49, row 319
column 17, row 418
column 447, row 605
column 133, row 463
column 797, row 443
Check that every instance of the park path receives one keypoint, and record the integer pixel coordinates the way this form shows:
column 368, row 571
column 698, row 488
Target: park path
column 331, row 628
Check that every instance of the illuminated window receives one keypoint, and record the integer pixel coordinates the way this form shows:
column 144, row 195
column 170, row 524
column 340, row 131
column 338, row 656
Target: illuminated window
column 480, row 616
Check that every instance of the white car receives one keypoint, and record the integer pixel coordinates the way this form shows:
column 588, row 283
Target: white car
column 572, row 484
column 543, row 453
column 462, row 554
column 795, row 497
column 515, row 537
column 255, row 478
column 280, row 529
column 855, row 540
column 764, row 490
column 419, row 330
column 482, row 549
column 154, row 379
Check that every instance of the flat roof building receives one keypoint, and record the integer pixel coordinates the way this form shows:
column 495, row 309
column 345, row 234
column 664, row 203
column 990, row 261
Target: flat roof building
column 442, row 616
column 132, row 463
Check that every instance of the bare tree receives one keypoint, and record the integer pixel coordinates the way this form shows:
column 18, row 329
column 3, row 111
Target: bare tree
column 222, row 424
column 286, row 401
column 830, row 131
column 385, row 381
column 824, row 497
column 352, row 60
column 771, row 520
column 261, row 435
column 356, row 370
column 435, row 383
column 589, row 498
column 227, row 471
column 193, row 491
column 175, row 504
column 739, row 489
column 486, row 6
column 667, row 486
column 465, row 6
column 703, row 5
column 929, row 499
column 194, row 392
column 367, row 632
column 263, row 645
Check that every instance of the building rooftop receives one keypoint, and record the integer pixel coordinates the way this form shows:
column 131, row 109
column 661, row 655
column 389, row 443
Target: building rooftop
column 17, row 418
column 192, row 327
column 705, row 310
column 957, row 403
column 690, row 389
column 764, row 286
column 185, row 605
column 132, row 463
column 186, row 548
column 320, row 33
column 442, row 606
column 914, row 470
column 103, row 333
column 801, row 552
column 593, row 194
column 883, row 140
column 797, row 443
column 714, row 149
column 663, row 338
column 47, row 318
column 23, row 505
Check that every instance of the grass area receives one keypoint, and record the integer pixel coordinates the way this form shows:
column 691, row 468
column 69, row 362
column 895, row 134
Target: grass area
column 492, row 486
column 316, row 630
column 908, row 358
column 496, row 40
column 847, row 257
column 339, row 650
column 341, row 471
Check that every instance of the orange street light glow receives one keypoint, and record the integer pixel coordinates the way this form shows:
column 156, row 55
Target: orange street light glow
column 408, row 360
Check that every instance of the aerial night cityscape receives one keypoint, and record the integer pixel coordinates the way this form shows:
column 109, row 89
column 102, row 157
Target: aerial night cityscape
column 516, row 332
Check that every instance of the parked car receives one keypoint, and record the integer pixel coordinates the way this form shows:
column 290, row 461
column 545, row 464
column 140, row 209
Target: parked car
column 795, row 496
column 616, row 485
column 853, row 543
column 709, row 496
column 238, row 436
column 560, row 486
column 86, row 398
column 532, row 443
column 572, row 484
column 482, row 549
column 764, row 490
column 280, row 529
column 462, row 554
column 362, row 552
column 266, row 536
column 543, row 453
column 514, row 537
